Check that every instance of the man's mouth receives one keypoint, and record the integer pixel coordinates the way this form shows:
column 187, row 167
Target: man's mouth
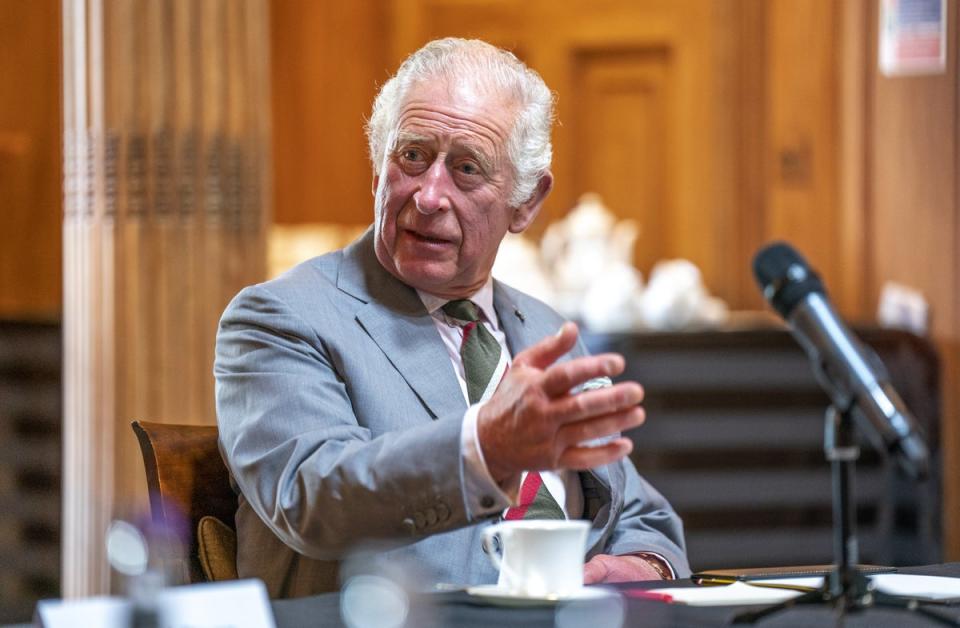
column 427, row 237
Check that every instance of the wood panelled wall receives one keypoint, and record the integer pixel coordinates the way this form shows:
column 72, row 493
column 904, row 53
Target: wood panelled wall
column 327, row 60
column 30, row 159
column 718, row 124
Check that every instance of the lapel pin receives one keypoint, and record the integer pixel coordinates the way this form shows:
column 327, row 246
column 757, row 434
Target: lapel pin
column 519, row 314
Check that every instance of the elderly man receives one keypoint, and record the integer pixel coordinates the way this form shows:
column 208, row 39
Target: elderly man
column 370, row 394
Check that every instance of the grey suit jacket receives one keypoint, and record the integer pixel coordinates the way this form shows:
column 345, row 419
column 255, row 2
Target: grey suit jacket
column 339, row 415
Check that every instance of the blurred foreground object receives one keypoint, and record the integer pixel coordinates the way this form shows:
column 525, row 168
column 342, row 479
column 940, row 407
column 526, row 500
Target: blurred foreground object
column 380, row 591
column 143, row 579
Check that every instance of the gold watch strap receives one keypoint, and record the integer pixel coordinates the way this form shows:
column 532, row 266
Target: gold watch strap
column 658, row 564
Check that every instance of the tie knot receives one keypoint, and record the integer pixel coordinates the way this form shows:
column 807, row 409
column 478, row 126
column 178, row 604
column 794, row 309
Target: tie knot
column 463, row 310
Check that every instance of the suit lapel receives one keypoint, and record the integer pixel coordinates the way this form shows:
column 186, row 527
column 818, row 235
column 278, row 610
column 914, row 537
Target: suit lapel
column 396, row 320
column 521, row 331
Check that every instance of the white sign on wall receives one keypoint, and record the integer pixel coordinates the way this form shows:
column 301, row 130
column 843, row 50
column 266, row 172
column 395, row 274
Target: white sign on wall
column 913, row 37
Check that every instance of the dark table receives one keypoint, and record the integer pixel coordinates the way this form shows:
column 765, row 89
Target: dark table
column 458, row 609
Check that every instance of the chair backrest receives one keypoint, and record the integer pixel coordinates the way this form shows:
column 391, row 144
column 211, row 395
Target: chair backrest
column 187, row 480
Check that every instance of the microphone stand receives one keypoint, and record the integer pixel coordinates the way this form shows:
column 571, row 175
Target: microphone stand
column 845, row 589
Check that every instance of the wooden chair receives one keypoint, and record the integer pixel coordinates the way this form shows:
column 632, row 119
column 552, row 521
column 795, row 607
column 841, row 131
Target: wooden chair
column 190, row 488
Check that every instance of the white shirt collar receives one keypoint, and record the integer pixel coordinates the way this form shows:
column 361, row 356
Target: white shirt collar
column 482, row 297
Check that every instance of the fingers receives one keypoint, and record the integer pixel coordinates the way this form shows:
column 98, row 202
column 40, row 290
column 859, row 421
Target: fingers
column 550, row 349
column 580, row 431
column 560, row 378
column 532, row 422
column 582, row 458
column 595, row 403
column 595, row 571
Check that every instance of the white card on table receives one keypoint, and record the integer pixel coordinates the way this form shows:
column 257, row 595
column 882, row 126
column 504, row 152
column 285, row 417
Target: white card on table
column 239, row 604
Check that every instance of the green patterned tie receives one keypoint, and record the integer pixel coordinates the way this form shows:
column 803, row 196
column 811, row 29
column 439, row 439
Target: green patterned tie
column 479, row 350
column 480, row 353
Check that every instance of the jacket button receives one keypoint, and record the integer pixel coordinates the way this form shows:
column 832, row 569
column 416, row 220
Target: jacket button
column 409, row 526
column 431, row 516
column 420, row 520
column 443, row 513
column 486, row 501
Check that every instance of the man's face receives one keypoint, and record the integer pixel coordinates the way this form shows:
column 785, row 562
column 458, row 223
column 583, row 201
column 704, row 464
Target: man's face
column 441, row 196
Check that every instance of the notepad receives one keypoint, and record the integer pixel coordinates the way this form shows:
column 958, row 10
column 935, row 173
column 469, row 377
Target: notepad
column 726, row 576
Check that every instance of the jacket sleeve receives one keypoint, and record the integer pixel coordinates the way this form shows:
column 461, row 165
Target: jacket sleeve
column 648, row 524
column 288, row 432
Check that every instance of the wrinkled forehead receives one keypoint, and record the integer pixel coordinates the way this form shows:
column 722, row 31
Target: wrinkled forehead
column 473, row 95
column 456, row 112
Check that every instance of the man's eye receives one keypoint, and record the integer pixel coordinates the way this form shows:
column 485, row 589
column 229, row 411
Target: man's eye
column 469, row 168
column 411, row 154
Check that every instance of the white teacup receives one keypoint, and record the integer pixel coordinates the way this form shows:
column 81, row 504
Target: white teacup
column 538, row 557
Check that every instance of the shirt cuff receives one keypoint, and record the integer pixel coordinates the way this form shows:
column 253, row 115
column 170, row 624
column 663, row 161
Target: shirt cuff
column 482, row 496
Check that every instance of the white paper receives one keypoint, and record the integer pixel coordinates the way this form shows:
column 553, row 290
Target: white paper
column 907, row 585
column 774, row 590
column 108, row 612
column 727, row 595
column 238, row 604
column 921, row 587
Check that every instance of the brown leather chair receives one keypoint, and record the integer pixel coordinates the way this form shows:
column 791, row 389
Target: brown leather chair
column 190, row 488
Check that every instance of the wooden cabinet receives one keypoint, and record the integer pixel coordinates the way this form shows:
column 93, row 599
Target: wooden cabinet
column 734, row 439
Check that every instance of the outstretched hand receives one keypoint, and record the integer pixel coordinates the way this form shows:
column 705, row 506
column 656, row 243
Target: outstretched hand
column 533, row 423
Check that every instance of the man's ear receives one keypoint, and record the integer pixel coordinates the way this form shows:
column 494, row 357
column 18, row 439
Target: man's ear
column 528, row 210
column 376, row 182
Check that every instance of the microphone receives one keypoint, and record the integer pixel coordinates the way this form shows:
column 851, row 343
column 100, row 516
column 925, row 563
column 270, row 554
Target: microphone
column 852, row 374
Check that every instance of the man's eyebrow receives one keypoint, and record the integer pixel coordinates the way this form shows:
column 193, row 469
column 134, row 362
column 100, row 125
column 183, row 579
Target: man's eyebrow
column 409, row 137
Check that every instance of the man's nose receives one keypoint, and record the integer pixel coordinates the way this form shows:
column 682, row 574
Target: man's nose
column 433, row 195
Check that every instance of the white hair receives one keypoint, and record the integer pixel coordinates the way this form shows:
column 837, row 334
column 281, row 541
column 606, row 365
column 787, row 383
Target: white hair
column 452, row 59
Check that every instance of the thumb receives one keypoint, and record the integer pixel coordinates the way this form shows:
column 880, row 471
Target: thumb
column 550, row 349
column 594, row 571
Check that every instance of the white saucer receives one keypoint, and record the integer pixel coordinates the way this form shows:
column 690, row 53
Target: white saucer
column 496, row 595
